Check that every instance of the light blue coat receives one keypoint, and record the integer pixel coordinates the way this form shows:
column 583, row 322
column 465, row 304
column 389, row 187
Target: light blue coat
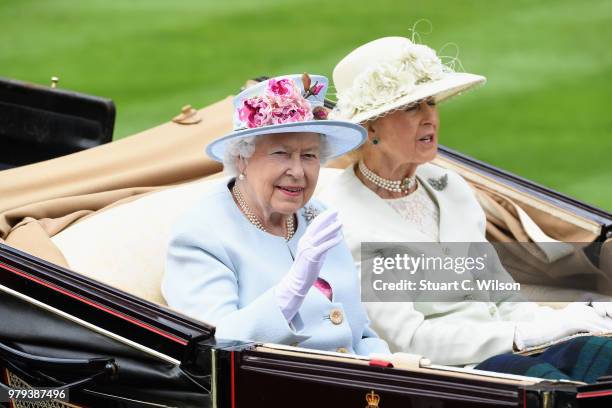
column 222, row 270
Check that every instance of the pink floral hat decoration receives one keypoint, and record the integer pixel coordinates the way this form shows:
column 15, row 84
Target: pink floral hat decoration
column 291, row 103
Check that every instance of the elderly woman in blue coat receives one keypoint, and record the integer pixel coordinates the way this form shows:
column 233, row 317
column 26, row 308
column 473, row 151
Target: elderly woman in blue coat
column 256, row 256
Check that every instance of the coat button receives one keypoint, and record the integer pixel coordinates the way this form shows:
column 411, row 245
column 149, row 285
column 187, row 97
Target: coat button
column 336, row 316
column 342, row 350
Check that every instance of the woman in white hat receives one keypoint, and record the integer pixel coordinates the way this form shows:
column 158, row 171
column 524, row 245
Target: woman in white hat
column 393, row 194
column 256, row 256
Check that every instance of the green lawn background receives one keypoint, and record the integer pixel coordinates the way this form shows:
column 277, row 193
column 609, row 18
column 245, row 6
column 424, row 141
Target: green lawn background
column 544, row 114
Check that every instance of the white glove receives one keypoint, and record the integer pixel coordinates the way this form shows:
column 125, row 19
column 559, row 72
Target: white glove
column 574, row 318
column 604, row 309
column 320, row 236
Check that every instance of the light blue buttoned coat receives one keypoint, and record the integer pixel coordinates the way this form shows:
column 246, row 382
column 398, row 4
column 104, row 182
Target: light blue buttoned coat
column 222, row 270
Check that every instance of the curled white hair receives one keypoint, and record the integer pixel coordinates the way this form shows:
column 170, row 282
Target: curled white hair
column 236, row 149
column 245, row 147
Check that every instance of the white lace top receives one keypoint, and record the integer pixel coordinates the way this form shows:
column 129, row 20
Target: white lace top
column 419, row 209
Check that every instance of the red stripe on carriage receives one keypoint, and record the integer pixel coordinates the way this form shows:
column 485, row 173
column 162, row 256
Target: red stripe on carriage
column 233, row 397
column 96, row 305
column 5, row 378
column 594, row 394
column 380, row 363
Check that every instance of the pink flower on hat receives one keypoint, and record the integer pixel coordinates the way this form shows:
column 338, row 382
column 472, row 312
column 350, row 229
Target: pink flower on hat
column 255, row 112
column 317, row 88
column 282, row 87
column 293, row 112
column 281, row 103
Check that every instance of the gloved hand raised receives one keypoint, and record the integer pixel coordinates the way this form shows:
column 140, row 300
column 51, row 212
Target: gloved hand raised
column 320, row 236
column 574, row 318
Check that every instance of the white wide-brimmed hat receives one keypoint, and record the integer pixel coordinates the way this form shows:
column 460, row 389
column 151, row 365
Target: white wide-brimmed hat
column 290, row 103
column 391, row 73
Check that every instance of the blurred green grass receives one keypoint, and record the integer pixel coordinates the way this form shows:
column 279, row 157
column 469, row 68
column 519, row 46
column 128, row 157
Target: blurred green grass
column 544, row 114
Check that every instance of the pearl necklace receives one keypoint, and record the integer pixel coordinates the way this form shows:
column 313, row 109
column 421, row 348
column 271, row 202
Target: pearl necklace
column 253, row 218
column 397, row 186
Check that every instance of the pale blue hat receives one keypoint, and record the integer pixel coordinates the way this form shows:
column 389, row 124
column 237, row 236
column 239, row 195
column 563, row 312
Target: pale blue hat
column 259, row 109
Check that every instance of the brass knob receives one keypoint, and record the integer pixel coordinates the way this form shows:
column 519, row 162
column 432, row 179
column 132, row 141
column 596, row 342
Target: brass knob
column 54, row 81
column 188, row 116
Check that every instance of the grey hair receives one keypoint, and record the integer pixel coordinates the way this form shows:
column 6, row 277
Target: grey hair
column 245, row 147
column 236, row 149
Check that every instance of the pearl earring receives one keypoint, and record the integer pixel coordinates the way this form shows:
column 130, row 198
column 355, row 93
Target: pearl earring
column 241, row 176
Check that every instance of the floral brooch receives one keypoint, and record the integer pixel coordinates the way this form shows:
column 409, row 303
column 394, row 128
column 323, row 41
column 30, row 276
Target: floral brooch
column 310, row 213
column 439, row 183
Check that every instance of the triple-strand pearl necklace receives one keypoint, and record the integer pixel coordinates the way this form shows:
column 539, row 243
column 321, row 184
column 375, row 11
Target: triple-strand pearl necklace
column 396, row 186
column 253, row 218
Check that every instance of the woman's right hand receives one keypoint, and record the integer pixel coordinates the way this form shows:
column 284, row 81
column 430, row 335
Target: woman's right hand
column 321, row 235
column 574, row 318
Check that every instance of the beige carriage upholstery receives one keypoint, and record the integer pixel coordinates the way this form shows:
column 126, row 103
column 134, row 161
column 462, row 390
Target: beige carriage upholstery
column 514, row 216
column 125, row 245
column 46, row 197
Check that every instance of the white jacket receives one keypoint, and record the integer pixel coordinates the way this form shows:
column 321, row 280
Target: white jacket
column 452, row 333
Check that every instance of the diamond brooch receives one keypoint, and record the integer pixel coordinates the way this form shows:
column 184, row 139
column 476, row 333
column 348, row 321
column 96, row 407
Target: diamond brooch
column 439, row 183
column 310, row 213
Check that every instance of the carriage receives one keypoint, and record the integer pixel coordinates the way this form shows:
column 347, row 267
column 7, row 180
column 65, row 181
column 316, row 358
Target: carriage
column 82, row 244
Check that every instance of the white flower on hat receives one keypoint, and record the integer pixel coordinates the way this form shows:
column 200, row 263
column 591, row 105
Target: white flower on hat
column 390, row 80
column 425, row 63
column 387, row 81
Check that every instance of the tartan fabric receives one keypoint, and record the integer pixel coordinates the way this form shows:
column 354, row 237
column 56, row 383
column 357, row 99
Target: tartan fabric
column 579, row 359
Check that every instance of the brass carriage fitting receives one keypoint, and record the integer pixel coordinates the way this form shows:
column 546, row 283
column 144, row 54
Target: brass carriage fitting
column 188, row 116
column 54, row 81
column 372, row 399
